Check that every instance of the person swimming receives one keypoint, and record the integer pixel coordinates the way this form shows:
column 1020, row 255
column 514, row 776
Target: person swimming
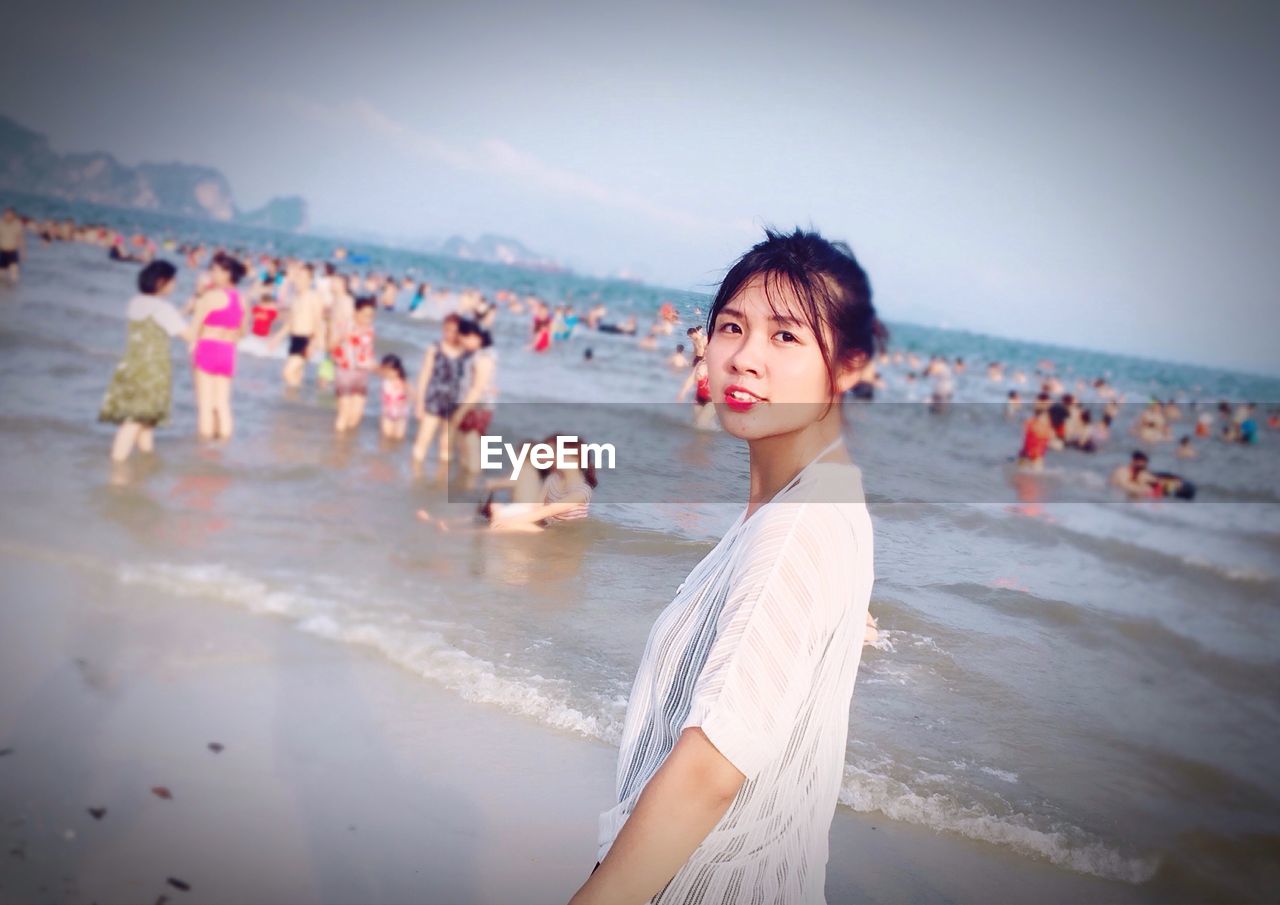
column 1134, row 478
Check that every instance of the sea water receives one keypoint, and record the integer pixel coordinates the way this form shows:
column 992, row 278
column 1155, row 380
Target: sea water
column 1069, row 676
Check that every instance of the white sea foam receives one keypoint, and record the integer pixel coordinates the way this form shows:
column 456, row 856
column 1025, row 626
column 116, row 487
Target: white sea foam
column 1235, row 573
column 884, row 640
column 1003, row 775
column 1064, row 846
column 416, row 648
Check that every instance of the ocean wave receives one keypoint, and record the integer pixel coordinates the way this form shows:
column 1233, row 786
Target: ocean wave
column 422, row 651
column 1063, row 845
column 1122, row 542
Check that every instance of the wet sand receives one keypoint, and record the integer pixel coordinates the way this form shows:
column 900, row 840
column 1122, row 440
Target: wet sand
column 341, row 777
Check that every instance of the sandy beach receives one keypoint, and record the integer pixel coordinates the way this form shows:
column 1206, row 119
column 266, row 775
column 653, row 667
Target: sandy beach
column 341, row 778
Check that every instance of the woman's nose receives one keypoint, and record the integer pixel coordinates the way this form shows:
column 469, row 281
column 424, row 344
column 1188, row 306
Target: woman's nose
column 747, row 357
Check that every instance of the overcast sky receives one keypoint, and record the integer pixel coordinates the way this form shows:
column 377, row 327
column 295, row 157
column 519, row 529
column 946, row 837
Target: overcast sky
column 1099, row 174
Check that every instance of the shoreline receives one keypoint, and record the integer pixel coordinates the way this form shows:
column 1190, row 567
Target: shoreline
column 341, row 776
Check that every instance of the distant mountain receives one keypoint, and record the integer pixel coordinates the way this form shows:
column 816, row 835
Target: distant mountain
column 288, row 214
column 489, row 249
column 496, row 250
column 28, row 164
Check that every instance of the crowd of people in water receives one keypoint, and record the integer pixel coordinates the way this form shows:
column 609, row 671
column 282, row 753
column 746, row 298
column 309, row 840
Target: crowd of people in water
column 324, row 318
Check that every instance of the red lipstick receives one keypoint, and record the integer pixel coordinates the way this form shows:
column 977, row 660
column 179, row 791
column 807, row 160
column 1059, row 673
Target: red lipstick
column 740, row 399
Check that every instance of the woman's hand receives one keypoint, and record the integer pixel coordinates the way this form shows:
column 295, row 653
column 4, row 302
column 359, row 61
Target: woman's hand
column 872, row 633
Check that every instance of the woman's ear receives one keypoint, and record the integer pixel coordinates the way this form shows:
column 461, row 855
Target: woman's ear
column 849, row 370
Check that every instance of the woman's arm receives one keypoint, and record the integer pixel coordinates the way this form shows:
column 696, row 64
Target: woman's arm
column 683, row 802
column 571, row 501
column 688, row 385
column 207, row 301
column 420, row 385
column 479, row 385
column 537, row 514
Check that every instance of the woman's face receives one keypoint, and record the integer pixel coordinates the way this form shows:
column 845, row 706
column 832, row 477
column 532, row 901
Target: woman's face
column 767, row 373
column 220, row 277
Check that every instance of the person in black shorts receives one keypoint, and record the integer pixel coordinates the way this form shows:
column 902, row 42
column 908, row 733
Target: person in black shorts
column 13, row 240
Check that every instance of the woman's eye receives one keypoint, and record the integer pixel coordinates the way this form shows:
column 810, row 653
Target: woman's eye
column 786, row 337
column 730, row 327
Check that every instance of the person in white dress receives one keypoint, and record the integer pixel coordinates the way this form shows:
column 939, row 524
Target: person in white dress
column 733, row 746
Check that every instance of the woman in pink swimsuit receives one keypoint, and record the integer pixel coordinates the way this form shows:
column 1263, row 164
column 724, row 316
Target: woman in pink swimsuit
column 220, row 316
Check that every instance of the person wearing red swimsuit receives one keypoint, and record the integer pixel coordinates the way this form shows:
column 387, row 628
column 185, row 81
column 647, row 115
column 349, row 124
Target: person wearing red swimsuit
column 264, row 315
column 1037, row 435
column 699, row 381
column 353, row 355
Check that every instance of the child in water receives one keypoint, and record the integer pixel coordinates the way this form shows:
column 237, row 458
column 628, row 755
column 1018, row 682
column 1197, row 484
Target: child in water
column 264, row 315
column 353, row 355
column 395, row 398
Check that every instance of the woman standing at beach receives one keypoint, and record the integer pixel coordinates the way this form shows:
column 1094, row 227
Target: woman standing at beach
column 438, row 389
column 479, row 393
column 704, row 414
column 541, row 330
column 141, row 388
column 733, row 746
column 1037, row 436
column 220, row 322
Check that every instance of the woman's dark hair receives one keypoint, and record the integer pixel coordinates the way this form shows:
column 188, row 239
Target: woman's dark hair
column 467, row 327
column 394, row 363
column 584, row 464
column 828, row 282
column 232, row 266
column 366, row 301
column 155, row 275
